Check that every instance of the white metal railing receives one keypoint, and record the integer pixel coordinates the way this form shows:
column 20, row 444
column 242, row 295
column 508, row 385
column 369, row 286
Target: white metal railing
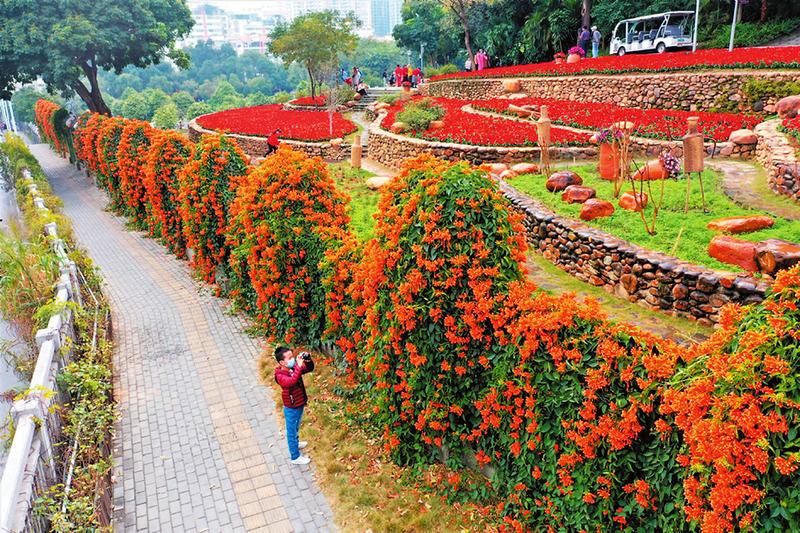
column 31, row 467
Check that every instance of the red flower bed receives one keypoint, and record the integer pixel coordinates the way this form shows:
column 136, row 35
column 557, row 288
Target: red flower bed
column 791, row 126
column 309, row 101
column 787, row 57
column 665, row 124
column 262, row 120
column 467, row 128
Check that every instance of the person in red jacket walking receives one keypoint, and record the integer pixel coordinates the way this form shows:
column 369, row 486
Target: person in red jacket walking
column 273, row 142
column 289, row 375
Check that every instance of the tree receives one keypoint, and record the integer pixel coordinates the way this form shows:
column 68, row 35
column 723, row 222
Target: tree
column 257, row 98
column 315, row 41
column 182, row 100
column 135, row 106
column 224, row 91
column 460, row 9
column 67, row 43
column 25, row 99
column 166, row 116
column 155, row 98
column 197, row 109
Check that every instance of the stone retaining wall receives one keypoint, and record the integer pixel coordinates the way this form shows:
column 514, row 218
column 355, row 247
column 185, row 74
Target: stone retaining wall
column 391, row 149
column 779, row 157
column 691, row 91
column 653, row 279
column 257, row 146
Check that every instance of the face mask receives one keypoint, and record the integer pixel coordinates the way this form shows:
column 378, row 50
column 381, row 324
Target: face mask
column 290, row 363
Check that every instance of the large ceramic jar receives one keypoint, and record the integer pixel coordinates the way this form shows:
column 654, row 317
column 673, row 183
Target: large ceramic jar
column 609, row 161
column 573, row 58
column 693, row 149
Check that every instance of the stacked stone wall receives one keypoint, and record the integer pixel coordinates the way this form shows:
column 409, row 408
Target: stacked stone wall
column 778, row 154
column 653, row 279
column 690, row 91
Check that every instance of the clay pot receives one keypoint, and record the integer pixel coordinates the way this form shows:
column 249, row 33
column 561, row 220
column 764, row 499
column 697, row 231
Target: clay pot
column 497, row 168
column 608, row 166
column 653, row 170
column 595, row 208
column 573, row 58
column 744, row 224
column 519, row 111
column 357, row 97
column 436, row 125
column 376, row 182
column 693, row 149
column 559, row 60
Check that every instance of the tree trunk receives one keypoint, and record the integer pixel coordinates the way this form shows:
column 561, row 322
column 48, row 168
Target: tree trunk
column 764, row 6
column 776, row 254
column 311, row 79
column 467, row 43
column 586, row 13
column 92, row 96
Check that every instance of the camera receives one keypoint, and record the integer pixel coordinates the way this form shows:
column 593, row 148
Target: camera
column 304, row 356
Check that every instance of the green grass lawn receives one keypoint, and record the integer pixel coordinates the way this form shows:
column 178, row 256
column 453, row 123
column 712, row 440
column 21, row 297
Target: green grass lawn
column 679, row 234
column 363, row 201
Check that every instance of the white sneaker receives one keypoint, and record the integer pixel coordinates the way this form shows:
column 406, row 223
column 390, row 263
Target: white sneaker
column 302, row 460
column 302, row 444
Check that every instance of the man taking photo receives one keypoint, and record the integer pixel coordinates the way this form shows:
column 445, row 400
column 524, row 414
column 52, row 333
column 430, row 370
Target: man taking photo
column 289, row 375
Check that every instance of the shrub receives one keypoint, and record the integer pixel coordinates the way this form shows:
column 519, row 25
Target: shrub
column 108, row 164
column 390, row 98
column 738, row 406
column 753, row 33
column 169, row 152
column 756, row 89
column 134, row 144
column 207, row 186
column 50, row 124
column 419, row 114
column 430, row 290
column 86, row 132
column 283, row 219
column 438, row 71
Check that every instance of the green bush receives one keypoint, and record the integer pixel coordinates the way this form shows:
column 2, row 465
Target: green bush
column 444, row 69
column 756, row 89
column 753, row 33
column 419, row 114
column 389, row 98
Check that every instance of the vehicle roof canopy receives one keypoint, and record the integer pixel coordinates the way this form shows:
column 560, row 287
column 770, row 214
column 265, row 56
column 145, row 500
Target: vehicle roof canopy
column 657, row 15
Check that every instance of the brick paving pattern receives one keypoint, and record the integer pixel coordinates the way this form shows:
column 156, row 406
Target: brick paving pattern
column 198, row 446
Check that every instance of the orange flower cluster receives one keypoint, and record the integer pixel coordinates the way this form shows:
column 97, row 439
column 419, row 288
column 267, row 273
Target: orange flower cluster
column 132, row 152
column 207, row 185
column 738, row 406
column 85, row 140
column 45, row 117
column 168, row 153
column 106, row 145
column 283, row 219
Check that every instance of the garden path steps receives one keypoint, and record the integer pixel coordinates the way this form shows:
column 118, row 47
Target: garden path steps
column 741, row 183
column 793, row 39
column 198, row 445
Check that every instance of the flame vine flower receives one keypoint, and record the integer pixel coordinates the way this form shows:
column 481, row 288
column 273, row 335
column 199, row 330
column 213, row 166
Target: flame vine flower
column 134, row 145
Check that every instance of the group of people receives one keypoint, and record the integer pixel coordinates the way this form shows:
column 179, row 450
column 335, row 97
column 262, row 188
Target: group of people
column 401, row 74
column 481, row 61
column 587, row 37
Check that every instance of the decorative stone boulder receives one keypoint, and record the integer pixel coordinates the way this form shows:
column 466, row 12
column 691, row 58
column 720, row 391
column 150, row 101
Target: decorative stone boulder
column 357, row 97
column 380, row 106
column 633, row 201
column 516, row 96
column 733, row 251
column 596, row 208
column 376, row 182
column 526, row 168
column 577, row 194
column 776, row 254
column 788, row 107
column 512, row 86
column 436, row 125
column 508, row 174
column 559, row 181
column 497, row 168
column 743, row 137
column 399, row 127
column 745, row 224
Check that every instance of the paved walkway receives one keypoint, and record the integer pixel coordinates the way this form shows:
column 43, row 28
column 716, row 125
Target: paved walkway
column 793, row 39
column 740, row 183
column 198, row 446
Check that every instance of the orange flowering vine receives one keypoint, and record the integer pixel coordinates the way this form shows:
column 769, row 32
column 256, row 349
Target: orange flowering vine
column 134, row 145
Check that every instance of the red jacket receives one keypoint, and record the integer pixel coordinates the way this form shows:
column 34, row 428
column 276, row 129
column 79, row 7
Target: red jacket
column 291, row 381
column 272, row 140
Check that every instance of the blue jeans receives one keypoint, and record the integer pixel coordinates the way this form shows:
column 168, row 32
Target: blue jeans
column 293, row 417
column 595, row 49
